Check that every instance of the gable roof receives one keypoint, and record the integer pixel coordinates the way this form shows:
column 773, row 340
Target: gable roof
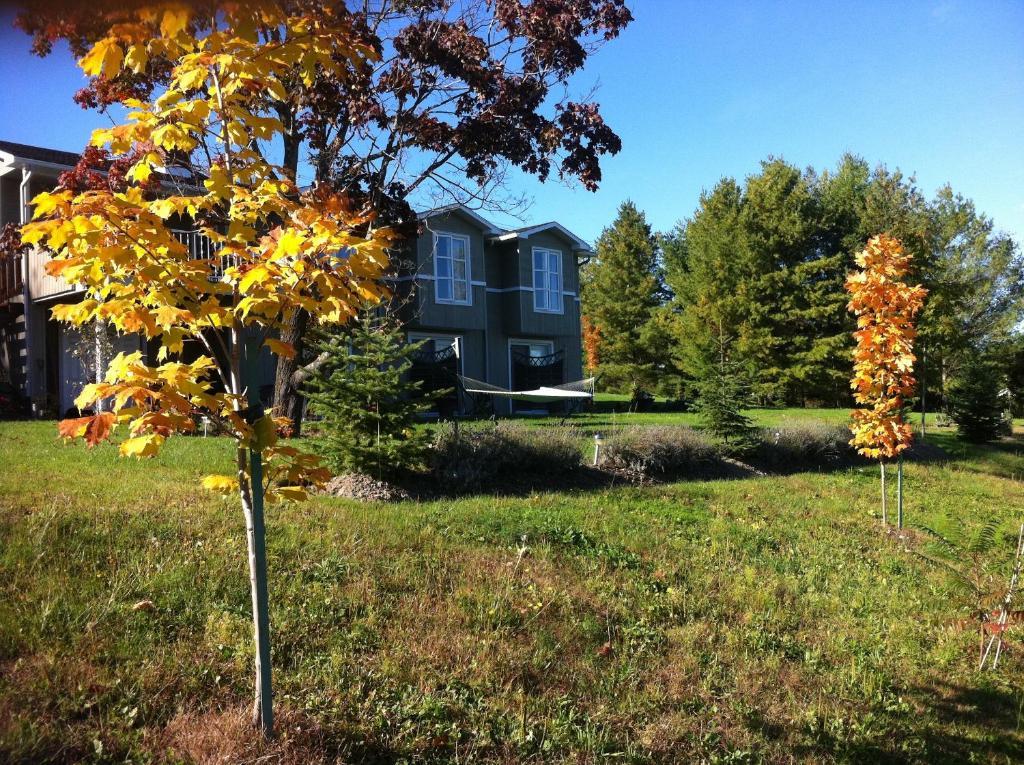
column 526, row 232
column 460, row 209
column 497, row 234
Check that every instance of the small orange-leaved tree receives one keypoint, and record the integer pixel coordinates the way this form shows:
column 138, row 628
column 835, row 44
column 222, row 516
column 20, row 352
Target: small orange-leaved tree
column 198, row 149
column 883, row 370
column 591, row 342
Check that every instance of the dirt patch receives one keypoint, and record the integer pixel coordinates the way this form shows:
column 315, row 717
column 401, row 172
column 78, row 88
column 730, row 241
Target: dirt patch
column 365, row 488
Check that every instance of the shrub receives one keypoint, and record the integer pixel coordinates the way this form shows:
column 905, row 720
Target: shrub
column 804, row 444
column 661, row 451
column 474, row 457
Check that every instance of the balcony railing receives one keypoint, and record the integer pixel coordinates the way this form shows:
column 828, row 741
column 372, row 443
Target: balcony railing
column 202, row 247
column 11, row 283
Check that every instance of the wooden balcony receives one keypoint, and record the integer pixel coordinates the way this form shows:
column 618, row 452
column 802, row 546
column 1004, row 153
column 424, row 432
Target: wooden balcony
column 11, row 283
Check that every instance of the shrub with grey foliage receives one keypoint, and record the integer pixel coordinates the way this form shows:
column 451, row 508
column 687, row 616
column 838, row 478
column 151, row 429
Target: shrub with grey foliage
column 659, row 451
column 479, row 456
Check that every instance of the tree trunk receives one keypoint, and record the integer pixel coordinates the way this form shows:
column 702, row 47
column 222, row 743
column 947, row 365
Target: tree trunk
column 99, row 363
column 924, row 392
column 885, row 514
column 899, row 494
column 255, row 534
column 288, row 400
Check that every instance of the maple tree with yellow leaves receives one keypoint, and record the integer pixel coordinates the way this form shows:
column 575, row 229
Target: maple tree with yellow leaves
column 883, row 370
column 275, row 248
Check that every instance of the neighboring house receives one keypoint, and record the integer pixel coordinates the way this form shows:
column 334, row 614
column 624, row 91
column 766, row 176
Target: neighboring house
column 37, row 353
column 499, row 306
column 495, row 305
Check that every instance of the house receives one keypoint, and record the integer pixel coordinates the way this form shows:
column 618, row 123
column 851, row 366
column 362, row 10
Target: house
column 499, row 306
column 495, row 305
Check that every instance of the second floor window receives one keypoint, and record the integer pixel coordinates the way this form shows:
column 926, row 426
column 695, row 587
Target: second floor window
column 451, row 269
column 547, row 280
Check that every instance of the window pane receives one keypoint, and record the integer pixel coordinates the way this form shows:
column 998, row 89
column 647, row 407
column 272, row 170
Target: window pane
column 554, row 266
column 460, row 291
column 538, row 259
column 458, row 248
column 460, row 269
column 444, row 289
column 444, row 268
column 443, row 247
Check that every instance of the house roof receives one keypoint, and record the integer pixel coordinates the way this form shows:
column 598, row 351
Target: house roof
column 525, row 232
column 497, row 234
column 466, row 212
column 11, row 151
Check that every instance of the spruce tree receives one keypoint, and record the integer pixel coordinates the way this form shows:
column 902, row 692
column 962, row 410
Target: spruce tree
column 621, row 290
column 722, row 396
column 365, row 401
column 974, row 401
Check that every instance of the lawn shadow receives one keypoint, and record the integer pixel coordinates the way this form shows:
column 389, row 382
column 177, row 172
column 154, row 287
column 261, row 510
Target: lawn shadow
column 993, row 715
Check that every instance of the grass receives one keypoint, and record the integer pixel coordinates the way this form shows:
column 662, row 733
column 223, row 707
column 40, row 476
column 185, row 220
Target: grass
column 761, row 620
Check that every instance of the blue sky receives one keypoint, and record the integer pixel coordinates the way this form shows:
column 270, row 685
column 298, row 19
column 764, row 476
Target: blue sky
column 701, row 90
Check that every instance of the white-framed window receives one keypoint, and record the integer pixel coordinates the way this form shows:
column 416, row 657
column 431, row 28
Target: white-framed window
column 451, row 269
column 547, row 280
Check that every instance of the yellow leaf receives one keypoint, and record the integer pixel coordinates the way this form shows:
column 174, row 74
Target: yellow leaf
column 292, row 493
column 264, row 432
column 255, row 275
column 224, row 484
column 103, row 59
column 142, row 446
column 174, row 21
column 136, row 58
column 281, row 348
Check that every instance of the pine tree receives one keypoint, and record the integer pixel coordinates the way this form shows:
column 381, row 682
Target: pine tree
column 621, row 289
column 722, row 396
column 367, row 404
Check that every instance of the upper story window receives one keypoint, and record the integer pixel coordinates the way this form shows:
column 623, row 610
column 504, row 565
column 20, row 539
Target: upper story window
column 451, row 269
column 547, row 280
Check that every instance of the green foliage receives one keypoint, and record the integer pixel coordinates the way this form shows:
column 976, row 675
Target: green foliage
column 366, row 404
column 620, row 293
column 722, row 397
column 975, row 401
column 766, row 259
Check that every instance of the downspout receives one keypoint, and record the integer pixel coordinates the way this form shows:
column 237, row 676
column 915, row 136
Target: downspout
column 30, row 375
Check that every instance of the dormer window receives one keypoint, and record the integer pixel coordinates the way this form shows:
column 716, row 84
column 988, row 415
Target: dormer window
column 451, row 269
column 547, row 280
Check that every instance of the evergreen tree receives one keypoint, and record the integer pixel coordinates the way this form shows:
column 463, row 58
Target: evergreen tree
column 975, row 402
column 620, row 292
column 367, row 404
column 707, row 267
column 722, row 396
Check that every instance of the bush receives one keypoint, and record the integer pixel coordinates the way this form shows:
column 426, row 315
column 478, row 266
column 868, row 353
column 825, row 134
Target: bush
column 661, row 451
column 475, row 457
column 803, row 444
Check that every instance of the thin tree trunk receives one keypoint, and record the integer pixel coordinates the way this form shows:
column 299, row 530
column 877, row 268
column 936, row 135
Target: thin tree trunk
column 255, row 534
column 98, row 361
column 899, row 494
column 924, row 392
column 288, row 400
column 885, row 516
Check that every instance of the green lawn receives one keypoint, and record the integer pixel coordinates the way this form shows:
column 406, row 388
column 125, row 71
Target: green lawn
column 761, row 620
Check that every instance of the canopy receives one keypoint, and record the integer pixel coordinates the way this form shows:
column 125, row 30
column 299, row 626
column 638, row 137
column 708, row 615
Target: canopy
column 580, row 389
